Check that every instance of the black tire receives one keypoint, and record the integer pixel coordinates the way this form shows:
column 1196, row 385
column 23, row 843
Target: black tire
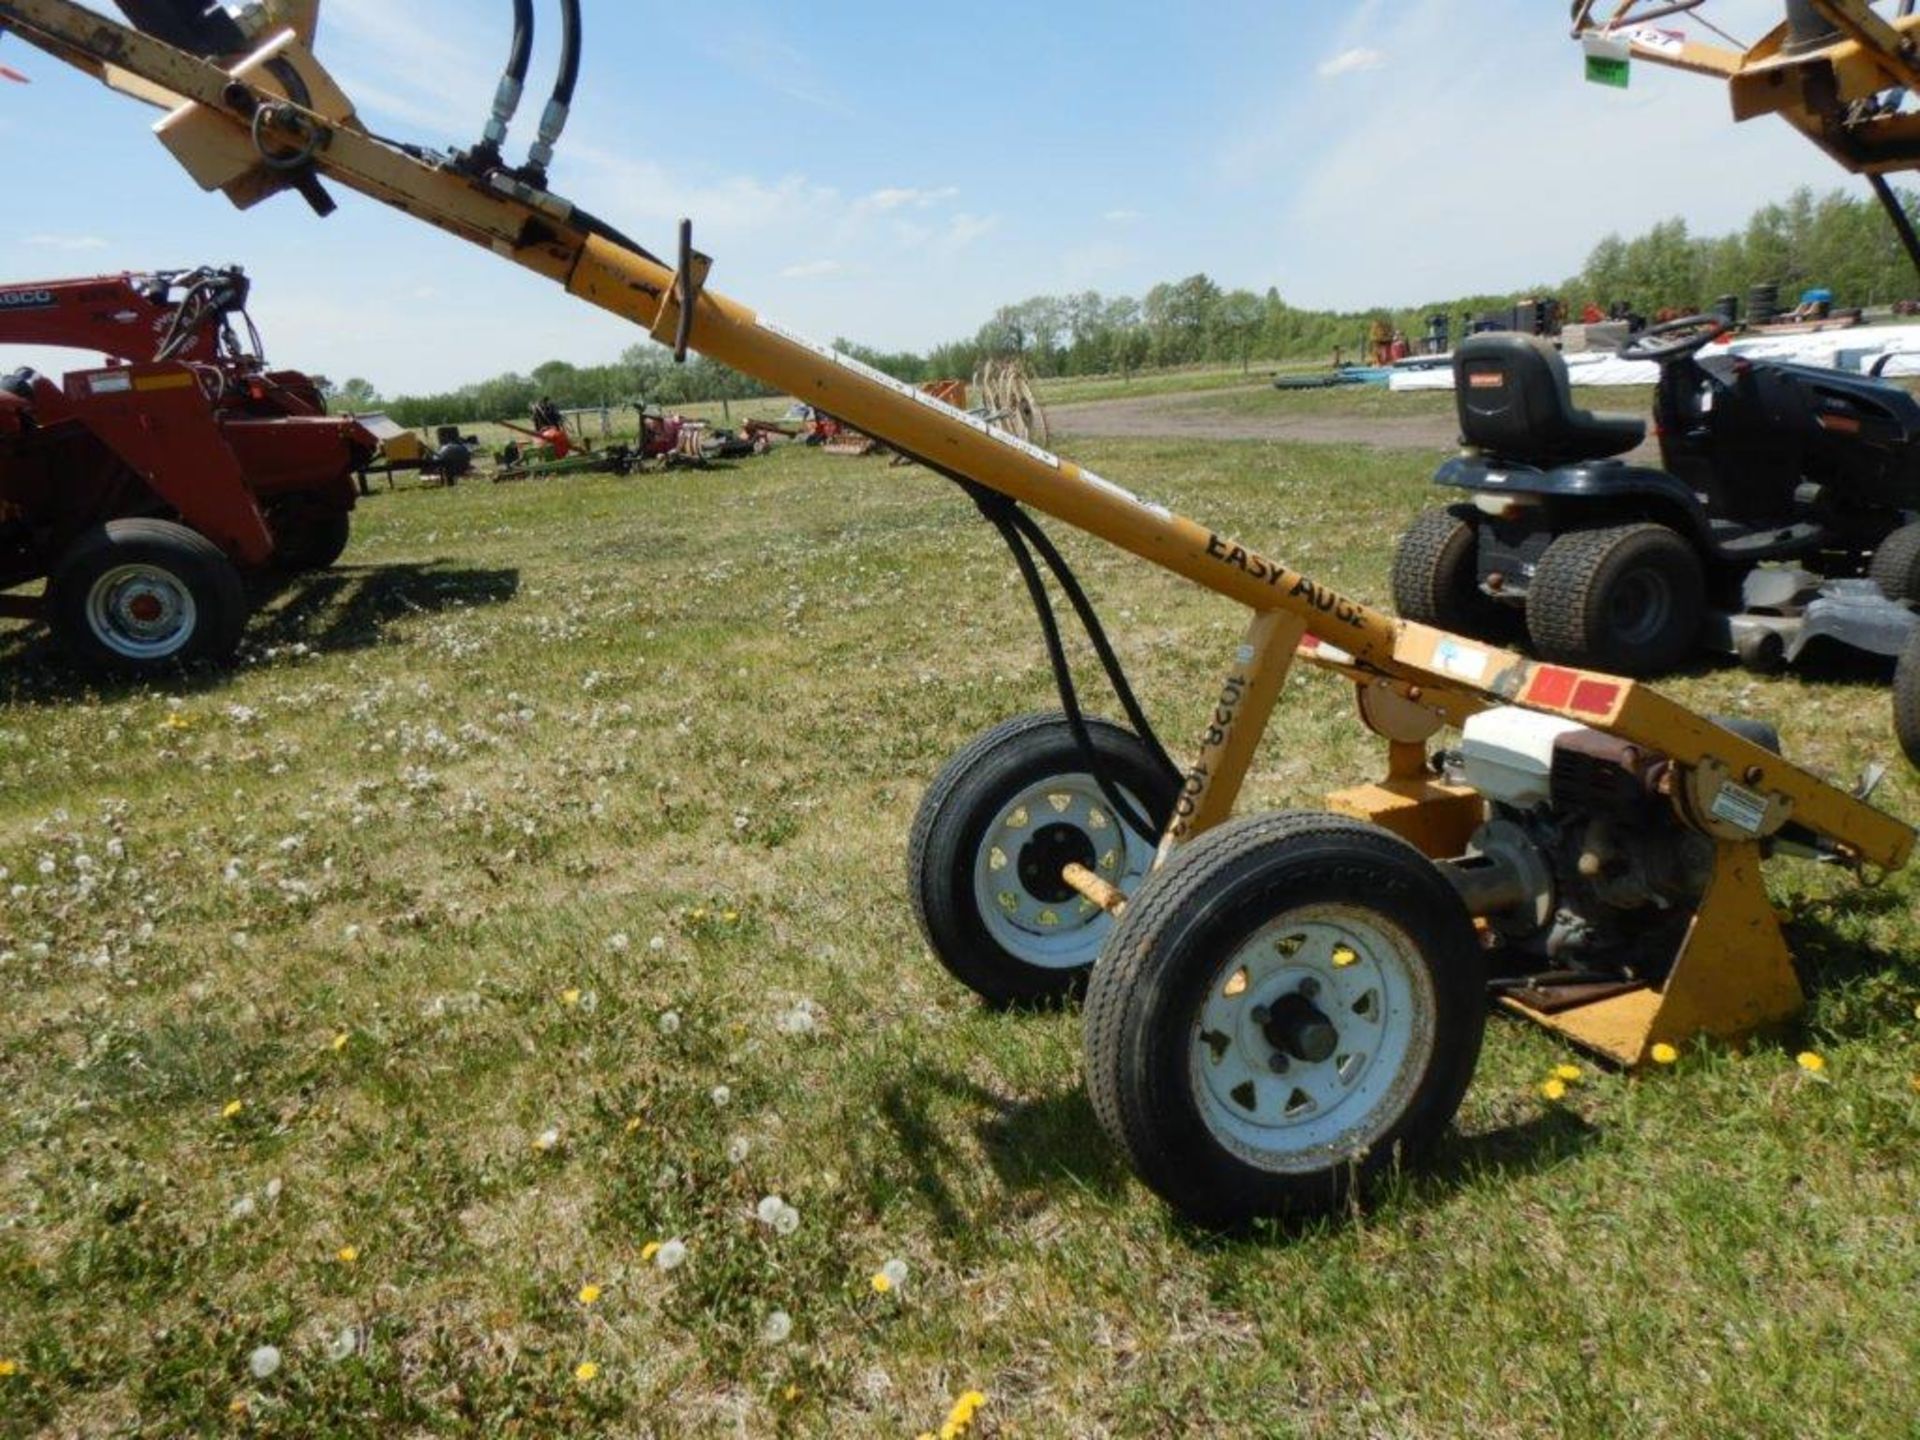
column 194, row 605
column 1906, row 701
column 1629, row 599
column 308, row 534
column 1233, row 892
column 1896, row 564
column 1436, row 578
column 1015, row 956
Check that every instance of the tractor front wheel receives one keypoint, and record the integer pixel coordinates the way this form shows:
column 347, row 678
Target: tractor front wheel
column 999, row 824
column 1436, row 578
column 1291, row 1007
column 1906, row 700
column 139, row 596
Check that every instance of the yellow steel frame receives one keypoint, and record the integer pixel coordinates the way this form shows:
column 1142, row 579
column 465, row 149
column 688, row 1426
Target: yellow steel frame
column 1424, row 677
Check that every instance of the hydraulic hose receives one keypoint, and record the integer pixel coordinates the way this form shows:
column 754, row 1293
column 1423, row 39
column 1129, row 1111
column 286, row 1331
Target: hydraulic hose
column 554, row 121
column 513, row 83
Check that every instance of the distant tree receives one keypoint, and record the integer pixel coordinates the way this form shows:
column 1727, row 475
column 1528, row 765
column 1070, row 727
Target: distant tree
column 356, row 396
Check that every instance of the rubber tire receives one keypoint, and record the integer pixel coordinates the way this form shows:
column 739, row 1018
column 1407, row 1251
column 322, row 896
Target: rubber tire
column 1436, row 578
column 200, row 565
column 1896, row 564
column 1906, row 701
column 1207, row 899
column 964, row 799
column 1567, row 607
column 308, row 534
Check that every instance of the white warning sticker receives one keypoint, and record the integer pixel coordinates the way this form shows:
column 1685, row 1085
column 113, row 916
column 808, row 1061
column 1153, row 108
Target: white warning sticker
column 1462, row 661
column 118, row 383
column 1740, row 808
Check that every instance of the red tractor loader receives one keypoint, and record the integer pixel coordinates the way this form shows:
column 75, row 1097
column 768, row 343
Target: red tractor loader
column 142, row 490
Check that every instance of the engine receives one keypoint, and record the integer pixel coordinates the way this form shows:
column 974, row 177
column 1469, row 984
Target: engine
column 1583, row 861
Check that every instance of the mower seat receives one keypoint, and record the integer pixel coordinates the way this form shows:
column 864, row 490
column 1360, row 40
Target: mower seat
column 1515, row 403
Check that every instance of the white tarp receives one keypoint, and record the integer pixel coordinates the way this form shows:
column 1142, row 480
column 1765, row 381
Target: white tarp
column 1858, row 350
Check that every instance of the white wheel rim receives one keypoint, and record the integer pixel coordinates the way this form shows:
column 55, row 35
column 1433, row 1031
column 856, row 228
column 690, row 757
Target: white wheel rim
column 141, row 612
column 1355, row 970
column 1026, row 908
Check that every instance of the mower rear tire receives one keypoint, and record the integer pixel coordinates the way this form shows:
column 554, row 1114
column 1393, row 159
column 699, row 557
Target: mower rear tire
column 138, row 597
column 1291, row 1007
column 1896, row 564
column 308, row 534
column 998, row 825
column 1906, row 701
column 1627, row 599
column 1436, row 577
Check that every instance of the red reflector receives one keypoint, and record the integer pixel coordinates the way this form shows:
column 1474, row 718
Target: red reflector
column 1596, row 697
column 1552, row 688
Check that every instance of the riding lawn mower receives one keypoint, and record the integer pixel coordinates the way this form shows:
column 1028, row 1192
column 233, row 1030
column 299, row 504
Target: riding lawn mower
column 1784, row 510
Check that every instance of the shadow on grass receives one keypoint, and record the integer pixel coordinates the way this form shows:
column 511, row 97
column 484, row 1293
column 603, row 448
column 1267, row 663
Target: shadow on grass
column 347, row 608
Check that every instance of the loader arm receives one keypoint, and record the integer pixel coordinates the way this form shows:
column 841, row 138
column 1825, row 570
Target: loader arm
column 114, row 315
column 232, row 125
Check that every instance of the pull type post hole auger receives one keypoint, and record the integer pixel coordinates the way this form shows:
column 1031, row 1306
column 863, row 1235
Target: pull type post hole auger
column 1283, row 1003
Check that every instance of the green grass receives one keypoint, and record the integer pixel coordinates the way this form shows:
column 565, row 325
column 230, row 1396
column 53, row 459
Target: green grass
column 1078, row 389
column 543, row 764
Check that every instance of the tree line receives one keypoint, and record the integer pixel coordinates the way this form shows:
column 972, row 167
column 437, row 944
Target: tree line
column 1839, row 240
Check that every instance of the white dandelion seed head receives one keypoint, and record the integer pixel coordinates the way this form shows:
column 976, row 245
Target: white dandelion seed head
column 274, row 1187
column 549, row 1138
column 344, row 1345
column 738, row 1149
column 264, row 1361
column 769, row 1209
column 896, row 1272
column 657, row 944
column 777, row 1328
column 672, row 1255
column 787, row 1221
column 620, row 943
column 243, row 1208
column 670, row 1023
column 722, row 1095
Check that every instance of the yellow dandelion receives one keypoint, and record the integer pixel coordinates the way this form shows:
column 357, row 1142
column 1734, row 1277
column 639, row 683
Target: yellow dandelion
column 882, row 1283
column 1810, row 1062
column 732, row 917
column 589, row 1294
column 650, row 1249
column 233, row 1108
column 1568, row 1073
column 9, row 1369
column 633, row 1125
column 176, row 722
column 790, row 1394
column 569, row 998
column 1665, row 1054
column 586, row 1372
column 340, row 1040
column 697, row 916
column 348, row 1255
column 237, row 1405
column 1554, row 1089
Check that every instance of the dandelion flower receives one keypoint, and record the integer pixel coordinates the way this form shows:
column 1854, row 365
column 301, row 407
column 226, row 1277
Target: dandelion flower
column 1665, row 1054
column 1810, row 1062
column 671, row 1256
column 589, row 1294
column 343, row 1345
column 895, row 1272
column 787, row 1221
column 9, row 1369
column 649, row 1250
column 621, row 943
column 569, row 998
column 586, row 1372
column 264, row 1361
column 243, row 1208
column 1568, row 1073
column 732, row 917
column 233, row 1109
column 348, row 1255
column 722, row 1095
column 547, row 1140
column 790, row 1394
column 670, row 1023
column 738, row 1149
column 657, row 944
column 340, row 1041
column 777, row 1328
column 633, row 1125
column 881, row 1284
column 1554, row 1089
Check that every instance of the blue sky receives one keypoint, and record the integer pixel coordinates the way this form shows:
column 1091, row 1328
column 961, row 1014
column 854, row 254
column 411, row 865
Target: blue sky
column 893, row 173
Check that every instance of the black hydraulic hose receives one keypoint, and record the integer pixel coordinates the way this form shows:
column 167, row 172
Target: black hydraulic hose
column 554, row 121
column 513, row 85
column 1897, row 213
column 995, row 511
column 1097, row 636
column 520, row 57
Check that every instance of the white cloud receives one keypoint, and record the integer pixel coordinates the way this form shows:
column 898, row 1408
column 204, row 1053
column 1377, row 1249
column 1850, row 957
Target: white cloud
column 1123, row 217
column 1351, row 62
column 68, row 243
column 909, row 198
column 812, row 270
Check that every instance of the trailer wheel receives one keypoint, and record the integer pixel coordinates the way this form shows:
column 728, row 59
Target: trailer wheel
column 1628, row 599
column 1896, row 564
column 138, row 596
column 308, row 534
column 1906, row 700
column 1436, row 577
column 1293, row 1005
column 1000, row 822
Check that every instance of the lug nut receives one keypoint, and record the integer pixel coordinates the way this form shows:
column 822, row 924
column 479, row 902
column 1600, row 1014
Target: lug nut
column 1309, row 988
column 1261, row 1014
column 1278, row 1064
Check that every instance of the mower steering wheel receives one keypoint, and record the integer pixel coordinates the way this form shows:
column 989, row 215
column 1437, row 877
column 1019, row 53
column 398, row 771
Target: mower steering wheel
column 1688, row 336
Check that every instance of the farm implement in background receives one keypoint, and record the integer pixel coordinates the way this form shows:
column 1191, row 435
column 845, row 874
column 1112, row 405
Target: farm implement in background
column 1285, row 1005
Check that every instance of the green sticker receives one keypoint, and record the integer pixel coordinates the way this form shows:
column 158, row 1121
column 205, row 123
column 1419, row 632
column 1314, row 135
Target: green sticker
column 1604, row 70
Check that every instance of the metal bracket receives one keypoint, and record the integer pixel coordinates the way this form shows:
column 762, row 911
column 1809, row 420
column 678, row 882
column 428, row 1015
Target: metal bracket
column 674, row 327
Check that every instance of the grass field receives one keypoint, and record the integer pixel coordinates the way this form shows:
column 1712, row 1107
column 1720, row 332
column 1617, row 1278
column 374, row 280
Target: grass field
column 532, row 897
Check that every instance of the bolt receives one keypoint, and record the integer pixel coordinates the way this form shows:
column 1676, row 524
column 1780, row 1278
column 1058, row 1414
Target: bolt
column 1278, row 1064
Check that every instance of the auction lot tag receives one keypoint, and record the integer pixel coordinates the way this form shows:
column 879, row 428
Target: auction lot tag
column 1609, row 62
